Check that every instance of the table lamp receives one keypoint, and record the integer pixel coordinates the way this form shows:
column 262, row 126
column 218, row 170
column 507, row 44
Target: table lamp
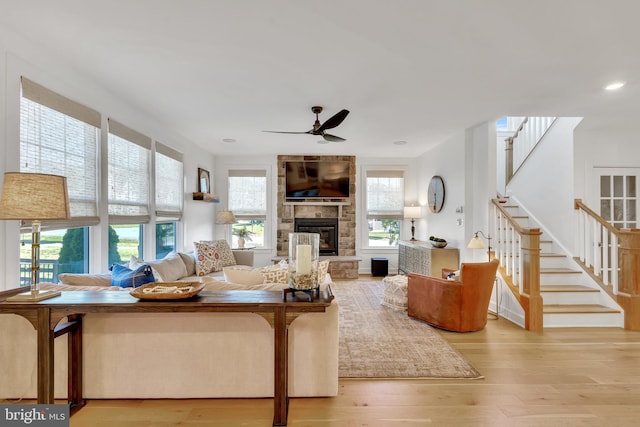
column 412, row 212
column 226, row 218
column 34, row 197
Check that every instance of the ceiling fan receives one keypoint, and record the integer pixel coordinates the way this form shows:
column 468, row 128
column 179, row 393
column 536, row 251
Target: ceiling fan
column 319, row 129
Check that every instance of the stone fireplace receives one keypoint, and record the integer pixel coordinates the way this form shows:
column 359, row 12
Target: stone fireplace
column 327, row 228
column 342, row 213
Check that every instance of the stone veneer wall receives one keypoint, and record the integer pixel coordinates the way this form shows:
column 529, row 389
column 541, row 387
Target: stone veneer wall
column 321, row 208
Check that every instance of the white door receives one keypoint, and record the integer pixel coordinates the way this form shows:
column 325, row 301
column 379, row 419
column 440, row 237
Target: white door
column 618, row 196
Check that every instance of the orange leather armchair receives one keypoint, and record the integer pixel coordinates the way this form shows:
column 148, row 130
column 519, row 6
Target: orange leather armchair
column 453, row 305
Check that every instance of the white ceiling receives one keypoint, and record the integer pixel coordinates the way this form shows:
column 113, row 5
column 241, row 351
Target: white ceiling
column 411, row 70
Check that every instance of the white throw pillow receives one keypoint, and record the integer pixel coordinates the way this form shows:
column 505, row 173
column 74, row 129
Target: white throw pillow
column 243, row 274
column 168, row 269
column 85, row 279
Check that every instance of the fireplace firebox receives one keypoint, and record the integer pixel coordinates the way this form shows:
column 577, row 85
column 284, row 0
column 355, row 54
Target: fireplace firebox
column 327, row 228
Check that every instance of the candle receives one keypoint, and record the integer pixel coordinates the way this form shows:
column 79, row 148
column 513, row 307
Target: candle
column 303, row 259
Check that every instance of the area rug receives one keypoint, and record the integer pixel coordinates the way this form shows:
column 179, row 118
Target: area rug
column 378, row 342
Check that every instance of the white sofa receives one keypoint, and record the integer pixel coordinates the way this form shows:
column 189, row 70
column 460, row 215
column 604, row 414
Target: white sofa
column 177, row 355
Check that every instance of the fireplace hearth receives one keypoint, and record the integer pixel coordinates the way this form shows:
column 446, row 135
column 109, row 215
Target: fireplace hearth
column 327, row 228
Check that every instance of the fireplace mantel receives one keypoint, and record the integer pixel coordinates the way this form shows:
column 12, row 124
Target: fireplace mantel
column 317, row 203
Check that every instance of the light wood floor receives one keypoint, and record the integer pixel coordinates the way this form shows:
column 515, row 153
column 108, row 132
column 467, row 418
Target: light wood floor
column 560, row 377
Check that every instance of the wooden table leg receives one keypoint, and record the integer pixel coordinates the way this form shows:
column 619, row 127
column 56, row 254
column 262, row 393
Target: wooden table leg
column 280, row 393
column 45, row 357
column 75, row 364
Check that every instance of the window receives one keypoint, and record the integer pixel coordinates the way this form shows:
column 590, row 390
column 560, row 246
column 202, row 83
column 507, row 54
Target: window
column 125, row 241
column 60, row 136
column 248, row 201
column 129, row 185
column 169, row 182
column 385, row 203
column 61, row 251
column 166, row 239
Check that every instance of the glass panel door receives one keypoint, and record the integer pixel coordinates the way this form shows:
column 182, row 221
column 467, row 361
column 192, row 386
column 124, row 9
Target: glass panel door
column 618, row 197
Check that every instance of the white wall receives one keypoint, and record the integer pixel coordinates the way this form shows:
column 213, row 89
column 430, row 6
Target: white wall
column 610, row 148
column 544, row 183
column 19, row 57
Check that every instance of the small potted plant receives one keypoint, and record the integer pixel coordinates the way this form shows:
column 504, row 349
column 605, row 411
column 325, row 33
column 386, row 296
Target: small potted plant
column 243, row 235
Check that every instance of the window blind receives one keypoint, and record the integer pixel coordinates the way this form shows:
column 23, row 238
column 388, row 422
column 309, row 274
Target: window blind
column 60, row 136
column 169, row 182
column 385, row 194
column 248, row 193
column 129, row 154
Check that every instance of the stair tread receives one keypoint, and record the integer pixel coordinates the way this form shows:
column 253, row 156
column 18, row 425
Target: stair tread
column 577, row 308
column 552, row 255
column 558, row 270
column 567, row 288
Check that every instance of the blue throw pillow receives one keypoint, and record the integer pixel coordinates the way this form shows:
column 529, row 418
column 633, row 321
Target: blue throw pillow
column 127, row 278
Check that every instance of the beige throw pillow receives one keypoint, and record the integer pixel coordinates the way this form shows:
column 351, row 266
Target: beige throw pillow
column 168, row 269
column 189, row 262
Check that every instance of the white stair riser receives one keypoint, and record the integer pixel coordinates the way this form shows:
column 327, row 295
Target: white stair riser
column 569, row 298
column 583, row 320
column 560, row 279
column 554, row 262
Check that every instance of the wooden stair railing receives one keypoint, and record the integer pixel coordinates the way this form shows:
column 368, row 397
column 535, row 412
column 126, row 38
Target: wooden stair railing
column 612, row 257
column 518, row 250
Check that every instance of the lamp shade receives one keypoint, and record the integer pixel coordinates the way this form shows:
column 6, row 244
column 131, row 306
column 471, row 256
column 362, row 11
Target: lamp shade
column 412, row 212
column 225, row 217
column 34, row 196
column 476, row 243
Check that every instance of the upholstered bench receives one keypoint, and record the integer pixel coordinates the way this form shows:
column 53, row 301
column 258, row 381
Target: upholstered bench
column 394, row 295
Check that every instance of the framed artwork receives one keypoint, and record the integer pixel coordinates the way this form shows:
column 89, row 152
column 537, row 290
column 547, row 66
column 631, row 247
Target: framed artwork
column 204, row 182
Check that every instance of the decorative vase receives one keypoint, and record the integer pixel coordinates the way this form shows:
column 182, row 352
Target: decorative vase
column 304, row 251
column 241, row 242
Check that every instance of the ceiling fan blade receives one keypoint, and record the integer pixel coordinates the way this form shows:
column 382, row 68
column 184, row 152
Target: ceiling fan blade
column 332, row 138
column 332, row 121
column 277, row 131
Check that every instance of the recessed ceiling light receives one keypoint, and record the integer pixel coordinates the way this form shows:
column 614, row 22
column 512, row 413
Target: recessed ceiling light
column 400, row 142
column 614, row 86
column 229, row 140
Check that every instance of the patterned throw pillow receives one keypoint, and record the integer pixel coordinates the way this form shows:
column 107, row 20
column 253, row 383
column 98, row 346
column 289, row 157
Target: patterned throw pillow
column 127, row 278
column 223, row 252
column 275, row 274
column 323, row 269
column 212, row 256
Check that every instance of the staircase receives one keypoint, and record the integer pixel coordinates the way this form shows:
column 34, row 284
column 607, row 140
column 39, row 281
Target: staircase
column 570, row 296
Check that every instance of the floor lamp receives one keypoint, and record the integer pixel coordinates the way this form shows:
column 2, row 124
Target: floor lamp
column 477, row 243
column 34, row 197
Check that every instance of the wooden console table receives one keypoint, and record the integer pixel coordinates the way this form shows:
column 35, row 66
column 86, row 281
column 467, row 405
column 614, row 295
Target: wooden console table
column 46, row 315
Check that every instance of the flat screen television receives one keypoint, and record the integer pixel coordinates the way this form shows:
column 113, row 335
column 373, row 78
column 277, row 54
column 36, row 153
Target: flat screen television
column 318, row 178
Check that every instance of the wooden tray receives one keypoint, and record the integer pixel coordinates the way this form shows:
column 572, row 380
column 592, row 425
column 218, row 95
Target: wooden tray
column 181, row 290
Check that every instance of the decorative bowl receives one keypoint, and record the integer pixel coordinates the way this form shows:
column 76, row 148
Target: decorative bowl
column 438, row 244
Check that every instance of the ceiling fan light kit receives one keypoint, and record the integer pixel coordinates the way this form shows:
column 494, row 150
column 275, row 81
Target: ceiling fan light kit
column 319, row 129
